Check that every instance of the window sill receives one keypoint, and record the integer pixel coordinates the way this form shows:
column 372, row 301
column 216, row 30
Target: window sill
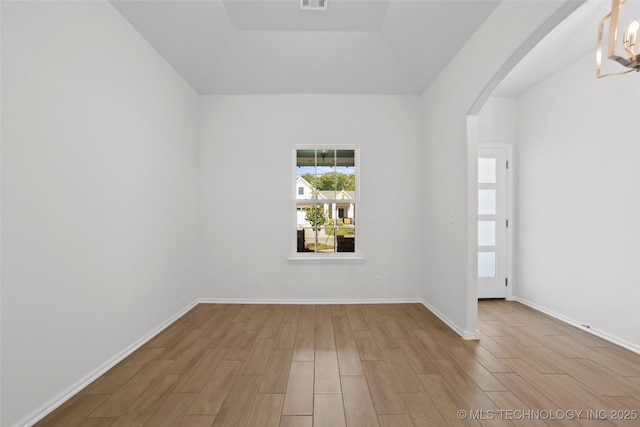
column 328, row 258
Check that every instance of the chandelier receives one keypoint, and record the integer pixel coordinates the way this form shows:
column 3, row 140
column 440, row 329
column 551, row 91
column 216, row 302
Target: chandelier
column 622, row 46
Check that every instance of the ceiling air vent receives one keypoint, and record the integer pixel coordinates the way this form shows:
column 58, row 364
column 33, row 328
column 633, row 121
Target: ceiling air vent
column 313, row 4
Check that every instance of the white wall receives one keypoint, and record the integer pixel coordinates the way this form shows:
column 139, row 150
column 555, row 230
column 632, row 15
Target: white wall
column 246, row 175
column 578, row 199
column 497, row 121
column 450, row 160
column 98, row 195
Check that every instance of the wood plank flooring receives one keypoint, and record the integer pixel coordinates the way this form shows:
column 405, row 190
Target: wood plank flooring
column 362, row 365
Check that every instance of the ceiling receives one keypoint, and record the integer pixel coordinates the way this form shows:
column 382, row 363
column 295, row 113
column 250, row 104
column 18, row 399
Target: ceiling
column 394, row 47
column 267, row 46
column 571, row 40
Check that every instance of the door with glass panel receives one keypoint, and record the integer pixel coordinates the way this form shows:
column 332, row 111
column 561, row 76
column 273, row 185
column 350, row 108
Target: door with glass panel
column 492, row 223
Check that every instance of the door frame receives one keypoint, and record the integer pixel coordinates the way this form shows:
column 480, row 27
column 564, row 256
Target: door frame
column 508, row 148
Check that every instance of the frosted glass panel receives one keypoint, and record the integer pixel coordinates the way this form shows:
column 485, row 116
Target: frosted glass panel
column 486, row 264
column 486, row 233
column 487, row 202
column 487, row 171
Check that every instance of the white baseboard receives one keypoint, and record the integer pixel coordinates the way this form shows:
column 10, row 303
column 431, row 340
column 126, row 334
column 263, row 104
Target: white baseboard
column 600, row 334
column 465, row 335
column 309, row 301
column 67, row 394
column 470, row 336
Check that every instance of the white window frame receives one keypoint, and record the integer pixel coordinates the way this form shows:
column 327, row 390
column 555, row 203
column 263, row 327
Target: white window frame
column 324, row 256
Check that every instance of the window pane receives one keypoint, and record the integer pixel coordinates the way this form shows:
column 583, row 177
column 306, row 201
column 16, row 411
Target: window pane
column 302, row 238
column 315, row 239
column 346, row 173
column 306, row 174
column 311, row 219
column 486, row 170
column 305, row 188
column 307, row 239
column 346, row 242
column 342, row 226
column 305, row 158
column 312, row 215
column 486, row 264
column 486, row 233
column 486, row 202
column 326, row 174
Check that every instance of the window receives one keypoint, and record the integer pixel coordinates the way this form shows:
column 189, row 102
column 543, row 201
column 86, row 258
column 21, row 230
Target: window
column 326, row 179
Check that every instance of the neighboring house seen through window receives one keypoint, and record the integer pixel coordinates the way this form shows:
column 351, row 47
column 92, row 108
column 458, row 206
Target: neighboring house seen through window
column 326, row 199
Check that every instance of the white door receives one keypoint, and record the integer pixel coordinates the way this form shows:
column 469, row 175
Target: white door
column 492, row 223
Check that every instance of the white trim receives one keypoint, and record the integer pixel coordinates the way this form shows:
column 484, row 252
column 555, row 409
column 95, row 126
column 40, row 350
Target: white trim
column 470, row 336
column 335, row 256
column 471, row 295
column 600, row 334
column 67, row 394
column 309, row 301
column 321, row 257
column 448, row 322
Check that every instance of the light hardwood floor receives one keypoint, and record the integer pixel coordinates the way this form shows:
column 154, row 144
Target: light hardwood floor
column 362, row 365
